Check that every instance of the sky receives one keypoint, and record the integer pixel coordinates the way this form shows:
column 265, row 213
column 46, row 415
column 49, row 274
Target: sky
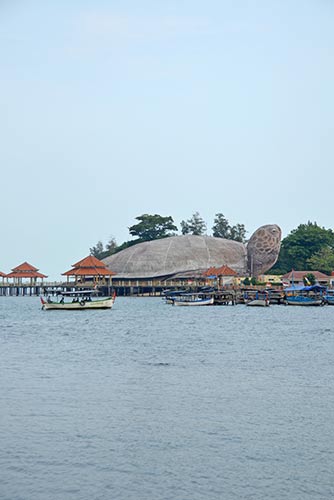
column 114, row 109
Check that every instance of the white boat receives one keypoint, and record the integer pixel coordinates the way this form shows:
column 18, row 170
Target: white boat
column 169, row 295
column 193, row 299
column 79, row 300
column 258, row 303
column 257, row 299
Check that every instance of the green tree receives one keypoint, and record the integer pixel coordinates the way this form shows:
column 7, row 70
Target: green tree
column 152, row 227
column 101, row 252
column 97, row 250
column 301, row 245
column 111, row 245
column 126, row 244
column 323, row 260
column 238, row 233
column 195, row 225
column 222, row 229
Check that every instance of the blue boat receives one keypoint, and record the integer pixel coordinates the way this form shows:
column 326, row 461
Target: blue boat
column 329, row 297
column 312, row 295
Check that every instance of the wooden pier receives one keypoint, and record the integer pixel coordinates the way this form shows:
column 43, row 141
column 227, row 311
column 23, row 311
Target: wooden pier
column 128, row 288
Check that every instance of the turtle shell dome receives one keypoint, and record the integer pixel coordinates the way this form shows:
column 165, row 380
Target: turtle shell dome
column 177, row 254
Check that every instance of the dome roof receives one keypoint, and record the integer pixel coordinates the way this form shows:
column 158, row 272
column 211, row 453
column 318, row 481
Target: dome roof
column 177, row 254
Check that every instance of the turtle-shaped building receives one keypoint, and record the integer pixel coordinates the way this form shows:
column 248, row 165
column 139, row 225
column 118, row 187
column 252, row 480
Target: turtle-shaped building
column 174, row 255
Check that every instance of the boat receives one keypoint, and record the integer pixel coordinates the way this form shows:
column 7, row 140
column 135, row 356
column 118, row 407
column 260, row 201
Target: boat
column 78, row 300
column 256, row 298
column 169, row 295
column 312, row 295
column 329, row 297
column 193, row 299
column 223, row 297
column 275, row 296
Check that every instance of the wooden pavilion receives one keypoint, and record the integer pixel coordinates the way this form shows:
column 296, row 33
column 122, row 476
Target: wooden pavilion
column 3, row 276
column 224, row 275
column 25, row 271
column 89, row 271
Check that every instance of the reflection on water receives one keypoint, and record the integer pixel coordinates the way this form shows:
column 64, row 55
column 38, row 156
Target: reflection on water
column 148, row 401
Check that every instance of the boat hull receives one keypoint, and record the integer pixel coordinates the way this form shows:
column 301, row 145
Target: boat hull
column 106, row 303
column 329, row 298
column 303, row 301
column 200, row 302
column 258, row 303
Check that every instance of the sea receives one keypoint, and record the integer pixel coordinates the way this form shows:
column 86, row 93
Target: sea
column 153, row 402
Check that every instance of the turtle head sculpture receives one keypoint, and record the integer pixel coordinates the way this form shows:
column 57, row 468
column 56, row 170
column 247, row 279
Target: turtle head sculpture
column 263, row 249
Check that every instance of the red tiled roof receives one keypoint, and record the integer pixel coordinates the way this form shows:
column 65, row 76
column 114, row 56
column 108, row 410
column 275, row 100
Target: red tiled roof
column 2, row 275
column 25, row 266
column 26, row 274
column 88, row 271
column 89, row 266
column 89, row 261
column 299, row 275
column 220, row 271
column 25, row 270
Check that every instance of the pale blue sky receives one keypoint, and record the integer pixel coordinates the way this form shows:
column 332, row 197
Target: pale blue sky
column 112, row 109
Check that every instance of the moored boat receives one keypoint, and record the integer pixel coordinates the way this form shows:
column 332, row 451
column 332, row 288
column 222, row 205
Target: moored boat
column 257, row 299
column 312, row 295
column 78, row 300
column 193, row 299
column 329, row 297
column 169, row 295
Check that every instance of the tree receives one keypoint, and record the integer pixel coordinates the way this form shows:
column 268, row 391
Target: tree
column 100, row 252
column 111, row 245
column 323, row 260
column 97, row 250
column 301, row 245
column 195, row 225
column 238, row 233
column 152, row 227
column 222, row 229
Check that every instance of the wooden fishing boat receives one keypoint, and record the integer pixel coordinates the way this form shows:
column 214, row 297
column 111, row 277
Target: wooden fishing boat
column 193, row 299
column 256, row 298
column 78, row 300
column 329, row 297
column 305, row 295
column 169, row 295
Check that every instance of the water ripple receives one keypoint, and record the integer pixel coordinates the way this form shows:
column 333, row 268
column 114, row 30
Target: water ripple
column 151, row 402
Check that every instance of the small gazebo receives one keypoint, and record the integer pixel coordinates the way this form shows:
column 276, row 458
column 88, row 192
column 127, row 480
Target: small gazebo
column 224, row 275
column 25, row 271
column 3, row 276
column 89, row 271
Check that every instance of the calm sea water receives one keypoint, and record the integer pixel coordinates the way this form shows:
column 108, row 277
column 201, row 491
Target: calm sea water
column 154, row 402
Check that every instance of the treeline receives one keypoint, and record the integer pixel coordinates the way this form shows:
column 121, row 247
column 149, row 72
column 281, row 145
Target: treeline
column 309, row 247
column 154, row 227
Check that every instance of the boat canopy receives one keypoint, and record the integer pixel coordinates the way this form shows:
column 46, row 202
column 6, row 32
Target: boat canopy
column 80, row 292
column 302, row 288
